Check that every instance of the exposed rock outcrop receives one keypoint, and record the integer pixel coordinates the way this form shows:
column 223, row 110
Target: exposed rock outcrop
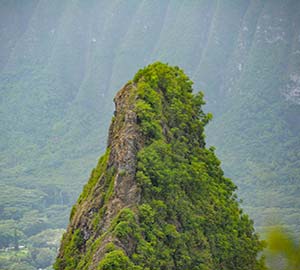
column 124, row 141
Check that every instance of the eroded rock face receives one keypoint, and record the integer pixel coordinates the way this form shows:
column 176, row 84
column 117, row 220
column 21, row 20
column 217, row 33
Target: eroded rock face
column 124, row 142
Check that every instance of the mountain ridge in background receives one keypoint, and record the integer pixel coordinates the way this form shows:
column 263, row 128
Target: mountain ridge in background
column 62, row 61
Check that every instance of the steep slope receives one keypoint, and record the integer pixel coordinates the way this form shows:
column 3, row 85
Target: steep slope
column 261, row 112
column 158, row 198
column 62, row 61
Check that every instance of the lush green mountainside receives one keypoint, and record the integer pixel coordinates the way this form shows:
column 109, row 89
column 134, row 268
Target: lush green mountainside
column 158, row 198
column 61, row 63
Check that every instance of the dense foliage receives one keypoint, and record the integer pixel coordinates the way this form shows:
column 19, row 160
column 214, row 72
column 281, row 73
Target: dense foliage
column 61, row 63
column 188, row 216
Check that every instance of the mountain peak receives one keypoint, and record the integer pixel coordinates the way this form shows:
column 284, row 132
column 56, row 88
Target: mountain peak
column 158, row 198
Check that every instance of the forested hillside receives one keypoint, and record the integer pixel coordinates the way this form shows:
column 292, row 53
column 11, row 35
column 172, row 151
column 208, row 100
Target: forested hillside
column 61, row 63
column 158, row 198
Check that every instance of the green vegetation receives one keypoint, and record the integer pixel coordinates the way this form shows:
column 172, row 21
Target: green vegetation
column 72, row 244
column 61, row 62
column 116, row 260
column 188, row 216
column 284, row 250
column 39, row 252
column 197, row 217
column 96, row 173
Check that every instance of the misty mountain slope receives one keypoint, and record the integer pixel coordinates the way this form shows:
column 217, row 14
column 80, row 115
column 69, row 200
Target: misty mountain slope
column 267, row 100
column 62, row 61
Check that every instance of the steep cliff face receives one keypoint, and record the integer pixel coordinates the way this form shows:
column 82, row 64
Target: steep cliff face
column 158, row 198
column 112, row 186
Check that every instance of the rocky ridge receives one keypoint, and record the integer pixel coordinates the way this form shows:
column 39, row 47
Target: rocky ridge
column 158, row 198
column 124, row 141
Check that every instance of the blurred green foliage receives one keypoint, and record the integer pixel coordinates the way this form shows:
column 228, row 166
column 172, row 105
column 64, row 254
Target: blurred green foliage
column 284, row 249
